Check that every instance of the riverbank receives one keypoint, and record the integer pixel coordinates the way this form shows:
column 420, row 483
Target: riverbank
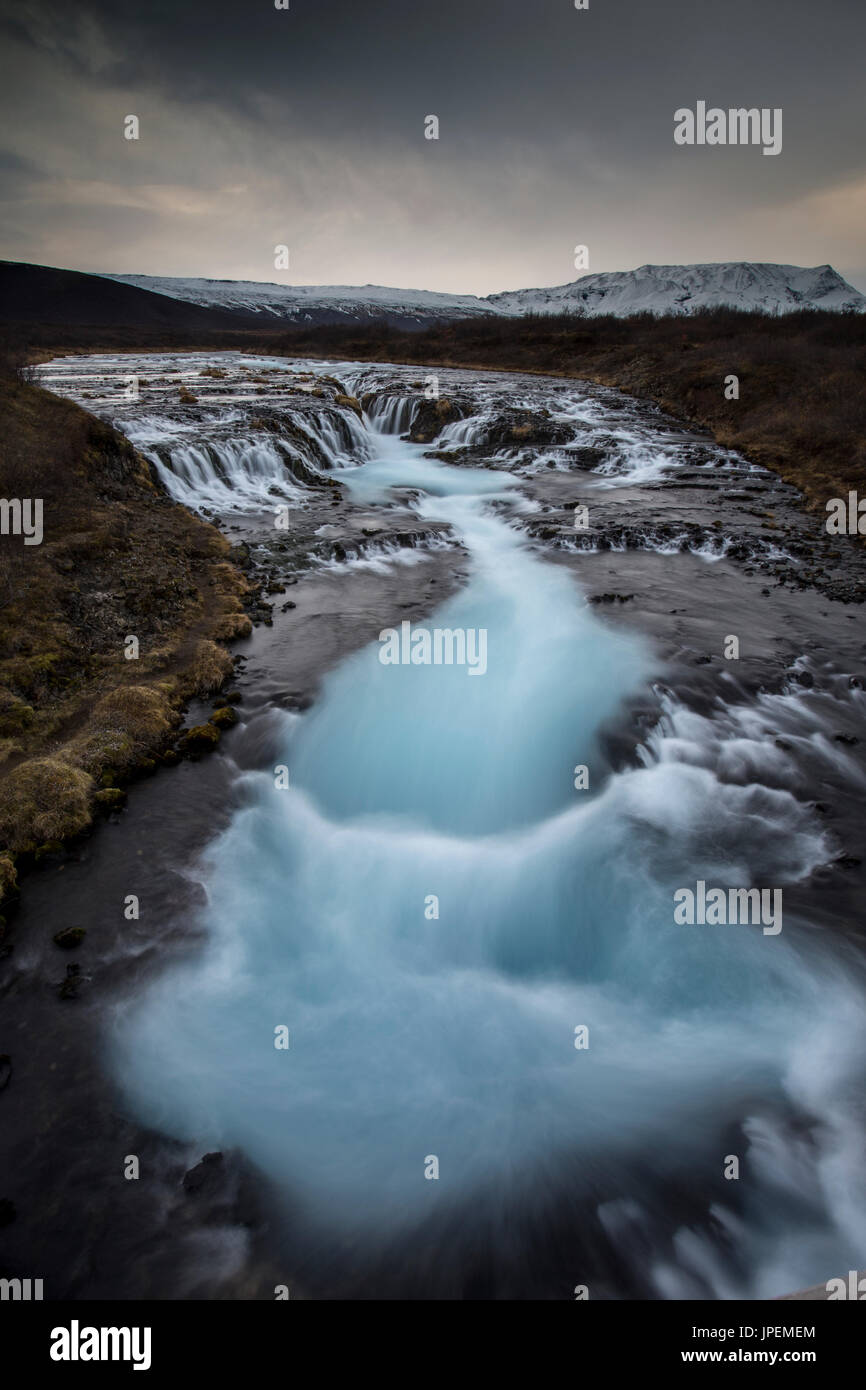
column 110, row 624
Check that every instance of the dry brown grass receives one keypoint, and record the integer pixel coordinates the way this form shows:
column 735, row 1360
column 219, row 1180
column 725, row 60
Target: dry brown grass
column 42, row 800
column 209, row 667
column 117, row 558
column 128, row 724
column 8, row 877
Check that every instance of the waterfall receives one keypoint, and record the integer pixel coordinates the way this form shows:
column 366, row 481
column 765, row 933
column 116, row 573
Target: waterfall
column 459, row 914
column 234, row 472
column 224, row 473
column 391, row 414
column 434, row 911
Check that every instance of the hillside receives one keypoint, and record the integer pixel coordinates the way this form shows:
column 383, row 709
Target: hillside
column 656, row 289
column 42, row 295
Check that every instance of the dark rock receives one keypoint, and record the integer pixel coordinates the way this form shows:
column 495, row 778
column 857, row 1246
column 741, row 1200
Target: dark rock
column 224, row 717
column 586, row 457
column 206, row 1176
column 536, row 427
column 69, row 987
column 109, row 799
column 240, row 555
column 431, row 417
column 69, row 937
column 203, row 738
column 5, row 1070
column 847, row 861
column 53, row 849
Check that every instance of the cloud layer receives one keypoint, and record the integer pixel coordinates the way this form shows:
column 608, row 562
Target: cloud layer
column 305, row 127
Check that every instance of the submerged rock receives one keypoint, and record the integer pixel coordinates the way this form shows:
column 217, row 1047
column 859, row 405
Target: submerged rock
column 69, row 937
column 69, row 987
column 205, row 1176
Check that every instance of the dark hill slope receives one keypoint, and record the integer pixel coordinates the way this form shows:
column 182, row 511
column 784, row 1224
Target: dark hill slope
column 41, row 296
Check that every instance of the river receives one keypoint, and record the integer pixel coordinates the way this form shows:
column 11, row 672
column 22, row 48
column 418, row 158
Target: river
column 408, row 955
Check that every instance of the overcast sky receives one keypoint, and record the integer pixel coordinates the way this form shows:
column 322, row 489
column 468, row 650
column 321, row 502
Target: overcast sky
column 305, row 127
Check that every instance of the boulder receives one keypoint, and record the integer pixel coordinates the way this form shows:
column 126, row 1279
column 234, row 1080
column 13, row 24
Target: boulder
column 69, row 937
column 431, row 417
column 203, row 738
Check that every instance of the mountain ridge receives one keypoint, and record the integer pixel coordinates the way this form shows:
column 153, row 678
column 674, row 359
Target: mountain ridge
column 764, row 287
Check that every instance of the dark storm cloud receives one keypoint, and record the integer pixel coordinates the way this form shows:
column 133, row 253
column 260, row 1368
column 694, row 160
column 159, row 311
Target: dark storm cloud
column 556, row 127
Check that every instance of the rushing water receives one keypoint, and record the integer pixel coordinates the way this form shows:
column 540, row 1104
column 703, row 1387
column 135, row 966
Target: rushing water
column 434, row 911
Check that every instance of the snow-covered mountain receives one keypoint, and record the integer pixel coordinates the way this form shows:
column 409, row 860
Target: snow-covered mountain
column 313, row 303
column 680, row 289
column 657, row 289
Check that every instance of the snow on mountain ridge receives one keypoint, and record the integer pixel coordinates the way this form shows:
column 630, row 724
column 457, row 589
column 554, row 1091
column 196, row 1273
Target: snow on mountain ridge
column 657, row 289
column 666, row 289
column 283, row 301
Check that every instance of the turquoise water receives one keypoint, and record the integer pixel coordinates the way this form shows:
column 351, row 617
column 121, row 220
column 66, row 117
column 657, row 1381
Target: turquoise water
column 432, row 909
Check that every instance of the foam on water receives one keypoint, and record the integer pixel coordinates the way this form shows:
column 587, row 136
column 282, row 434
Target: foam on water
column 453, row 1035
column 414, row 1035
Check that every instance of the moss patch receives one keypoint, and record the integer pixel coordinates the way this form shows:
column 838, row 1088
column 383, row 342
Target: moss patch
column 224, row 717
column 203, row 738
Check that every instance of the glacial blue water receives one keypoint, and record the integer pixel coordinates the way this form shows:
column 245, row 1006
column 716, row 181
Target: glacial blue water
column 415, row 1035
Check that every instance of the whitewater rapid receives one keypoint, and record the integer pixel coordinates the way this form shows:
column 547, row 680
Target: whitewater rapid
column 451, row 1035
column 453, row 895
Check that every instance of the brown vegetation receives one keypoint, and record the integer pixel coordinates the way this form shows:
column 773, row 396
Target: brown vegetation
column 43, row 800
column 118, row 559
